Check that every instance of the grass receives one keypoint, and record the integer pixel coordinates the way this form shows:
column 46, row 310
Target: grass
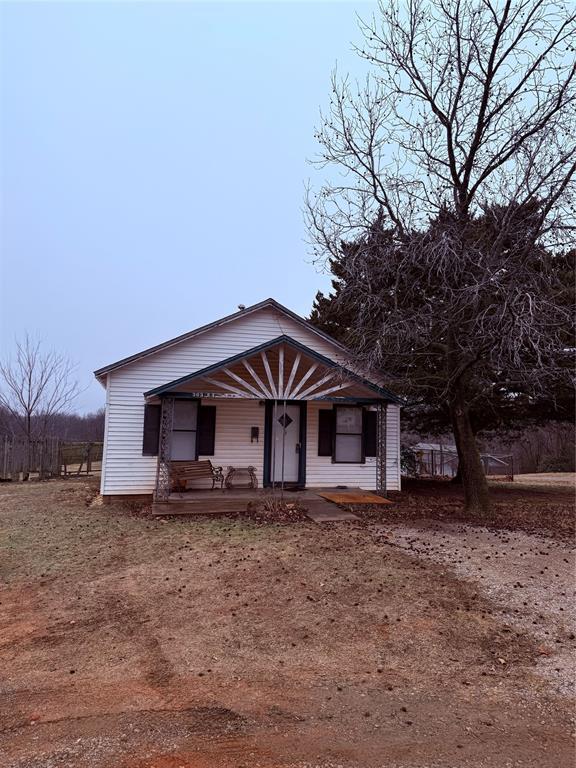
column 134, row 642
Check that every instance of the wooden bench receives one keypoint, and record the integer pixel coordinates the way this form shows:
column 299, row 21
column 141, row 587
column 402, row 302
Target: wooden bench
column 183, row 471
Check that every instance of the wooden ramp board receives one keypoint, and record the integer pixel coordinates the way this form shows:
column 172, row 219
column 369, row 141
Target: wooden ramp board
column 356, row 496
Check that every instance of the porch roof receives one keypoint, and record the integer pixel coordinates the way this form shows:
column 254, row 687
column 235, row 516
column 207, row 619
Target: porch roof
column 281, row 369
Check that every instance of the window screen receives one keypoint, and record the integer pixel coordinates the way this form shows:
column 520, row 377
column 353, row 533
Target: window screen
column 184, row 427
column 348, row 435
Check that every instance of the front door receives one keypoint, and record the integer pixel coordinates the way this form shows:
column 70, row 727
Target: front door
column 285, row 443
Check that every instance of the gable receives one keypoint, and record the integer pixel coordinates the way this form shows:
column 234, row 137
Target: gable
column 280, row 313
column 128, row 382
column 280, row 369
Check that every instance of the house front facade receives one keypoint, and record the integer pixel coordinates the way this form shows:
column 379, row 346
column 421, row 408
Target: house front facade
column 260, row 388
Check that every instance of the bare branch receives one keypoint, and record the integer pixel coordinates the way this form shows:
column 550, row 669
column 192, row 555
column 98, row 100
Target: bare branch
column 36, row 386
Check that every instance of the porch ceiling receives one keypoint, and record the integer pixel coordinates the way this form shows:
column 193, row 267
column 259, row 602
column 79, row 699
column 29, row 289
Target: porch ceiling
column 281, row 369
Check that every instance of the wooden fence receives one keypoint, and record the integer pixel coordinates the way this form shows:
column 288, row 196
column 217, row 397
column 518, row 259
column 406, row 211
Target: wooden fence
column 43, row 459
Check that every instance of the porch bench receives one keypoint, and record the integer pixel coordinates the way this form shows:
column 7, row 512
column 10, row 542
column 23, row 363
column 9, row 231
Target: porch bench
column 183, row 471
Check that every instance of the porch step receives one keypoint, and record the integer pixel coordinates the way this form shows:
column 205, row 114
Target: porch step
column 200, row 507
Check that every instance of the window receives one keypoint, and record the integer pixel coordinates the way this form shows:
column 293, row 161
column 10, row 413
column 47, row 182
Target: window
column 348, row 435
column 183, row 447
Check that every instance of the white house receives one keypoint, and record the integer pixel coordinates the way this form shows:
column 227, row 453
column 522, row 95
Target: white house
column 263, row 388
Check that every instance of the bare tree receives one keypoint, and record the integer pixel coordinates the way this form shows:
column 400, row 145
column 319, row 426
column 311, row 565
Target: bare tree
column 450, row 190
column 36, row 387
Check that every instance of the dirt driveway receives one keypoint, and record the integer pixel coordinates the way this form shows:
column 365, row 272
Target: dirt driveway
column 129, row 642
column 529, row 578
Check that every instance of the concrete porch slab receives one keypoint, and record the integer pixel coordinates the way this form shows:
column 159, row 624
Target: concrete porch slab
column 321, row 511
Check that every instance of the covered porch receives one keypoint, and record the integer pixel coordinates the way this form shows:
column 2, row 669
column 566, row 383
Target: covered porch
column 298, row 418
column 321, row 505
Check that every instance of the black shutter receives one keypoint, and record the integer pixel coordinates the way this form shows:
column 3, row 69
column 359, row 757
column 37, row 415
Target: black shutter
column 370, row 422
column 151, row 430
column 206, row 430
column 325, row 432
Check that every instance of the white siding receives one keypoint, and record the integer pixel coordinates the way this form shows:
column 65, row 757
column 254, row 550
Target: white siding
column 322, row 472
column 106, row 442
column 125, row 470
column 233, row 446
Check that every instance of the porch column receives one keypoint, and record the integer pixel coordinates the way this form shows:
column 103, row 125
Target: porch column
column 381, row 448
column 162, row 490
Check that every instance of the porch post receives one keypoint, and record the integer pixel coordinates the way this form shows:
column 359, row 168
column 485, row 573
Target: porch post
column 162, row 490
column 381, row 447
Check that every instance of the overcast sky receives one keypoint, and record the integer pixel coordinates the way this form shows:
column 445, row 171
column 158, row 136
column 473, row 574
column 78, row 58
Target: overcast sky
column 153, row 163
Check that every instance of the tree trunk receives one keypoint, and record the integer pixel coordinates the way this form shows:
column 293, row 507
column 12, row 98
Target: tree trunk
column 28, row 457
column 457, row 479
column 476, row 493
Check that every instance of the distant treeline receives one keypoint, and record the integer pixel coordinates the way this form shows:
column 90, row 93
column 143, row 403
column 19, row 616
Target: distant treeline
column 69, row 427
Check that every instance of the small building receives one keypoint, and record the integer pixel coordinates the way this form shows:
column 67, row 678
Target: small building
column 261, row 388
